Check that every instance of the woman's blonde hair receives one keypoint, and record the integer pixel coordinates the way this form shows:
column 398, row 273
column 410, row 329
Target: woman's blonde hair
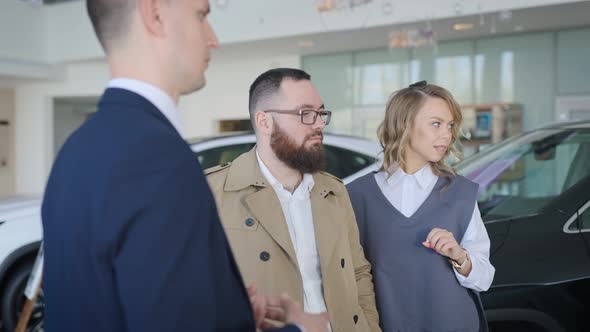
column 400, row 112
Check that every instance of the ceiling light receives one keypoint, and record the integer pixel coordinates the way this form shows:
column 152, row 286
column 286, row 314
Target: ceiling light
column 305, row 43
column 330, row 5
column 462, row 26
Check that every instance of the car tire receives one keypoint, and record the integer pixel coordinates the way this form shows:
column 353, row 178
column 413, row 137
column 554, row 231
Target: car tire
column 13, row 300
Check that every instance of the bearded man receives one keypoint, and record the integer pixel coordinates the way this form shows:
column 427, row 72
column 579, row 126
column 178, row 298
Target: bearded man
column 291, row 226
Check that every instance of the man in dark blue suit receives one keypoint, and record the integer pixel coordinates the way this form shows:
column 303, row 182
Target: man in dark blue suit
column 132, row 238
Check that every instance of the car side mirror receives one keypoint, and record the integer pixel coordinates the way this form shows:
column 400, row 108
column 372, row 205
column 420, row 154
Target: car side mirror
column 544, row 153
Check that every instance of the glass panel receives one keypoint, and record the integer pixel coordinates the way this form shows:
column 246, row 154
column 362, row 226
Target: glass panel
column 222, row 154
column 518, row 69
column 521, row 176
column 378, row 73
column 448, row 65
column 573, row 66
column 332, row 76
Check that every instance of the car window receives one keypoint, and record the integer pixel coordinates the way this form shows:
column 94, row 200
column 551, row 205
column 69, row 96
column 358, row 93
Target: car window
column 339, row 162
column 222, row 154
column 522, row 177
column 342, row 162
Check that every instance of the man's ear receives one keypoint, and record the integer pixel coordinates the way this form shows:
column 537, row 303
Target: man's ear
column 263, row 122
column 151, row 14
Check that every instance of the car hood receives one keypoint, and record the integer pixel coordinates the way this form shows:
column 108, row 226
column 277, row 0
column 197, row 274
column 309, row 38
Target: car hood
column 15, row 207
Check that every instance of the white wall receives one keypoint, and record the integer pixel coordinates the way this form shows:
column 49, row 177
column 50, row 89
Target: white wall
column 23, row 42
column 224, row 97
column 66, row 42
column 34, row 120
column 226, row 93
column 22, row 29
column 7, row 175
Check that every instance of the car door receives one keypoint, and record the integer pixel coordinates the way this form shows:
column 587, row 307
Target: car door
column 583, row 216
column 528, row 192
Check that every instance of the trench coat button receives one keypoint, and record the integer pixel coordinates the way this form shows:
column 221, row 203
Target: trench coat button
column 342, row 262
column 264, row 256
column 355, row 318
column 249, row 222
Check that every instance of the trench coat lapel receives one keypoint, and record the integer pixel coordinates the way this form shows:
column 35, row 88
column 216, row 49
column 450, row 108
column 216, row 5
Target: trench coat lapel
column 327, row 228
column 263, row 203
column 266, row 207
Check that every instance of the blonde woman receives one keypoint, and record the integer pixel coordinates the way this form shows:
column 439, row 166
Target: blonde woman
column 419, row 222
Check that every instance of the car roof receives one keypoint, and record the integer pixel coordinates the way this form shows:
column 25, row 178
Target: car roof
column 567, row 125
column 353, row 143
column 17, row 206
column 196, row 140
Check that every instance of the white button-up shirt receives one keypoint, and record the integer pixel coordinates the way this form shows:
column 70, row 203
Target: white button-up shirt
column 298, row 215
column 154, row 95
column 407, row 192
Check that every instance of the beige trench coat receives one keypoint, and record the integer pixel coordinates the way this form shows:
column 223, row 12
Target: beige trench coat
column 258, row 235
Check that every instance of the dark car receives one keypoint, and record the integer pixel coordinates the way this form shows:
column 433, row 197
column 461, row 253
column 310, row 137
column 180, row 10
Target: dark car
column 534, row 198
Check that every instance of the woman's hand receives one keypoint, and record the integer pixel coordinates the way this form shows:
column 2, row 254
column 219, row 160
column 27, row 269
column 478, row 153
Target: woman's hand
column 444, row 243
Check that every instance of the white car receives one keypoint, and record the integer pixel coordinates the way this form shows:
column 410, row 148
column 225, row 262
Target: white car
column 20, row 237
column 347, row 157
column 20, row 222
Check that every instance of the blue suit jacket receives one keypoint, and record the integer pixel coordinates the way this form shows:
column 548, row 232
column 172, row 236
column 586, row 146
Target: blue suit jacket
column 132, row 238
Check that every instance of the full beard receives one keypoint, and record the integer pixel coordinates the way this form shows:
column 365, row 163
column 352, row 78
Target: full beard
column 298, row 157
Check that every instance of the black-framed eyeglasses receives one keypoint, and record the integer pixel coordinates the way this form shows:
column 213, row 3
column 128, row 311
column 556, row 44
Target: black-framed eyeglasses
column 308, row 116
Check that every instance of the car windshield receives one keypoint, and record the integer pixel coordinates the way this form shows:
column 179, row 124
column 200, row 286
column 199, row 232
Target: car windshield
column 522, row 175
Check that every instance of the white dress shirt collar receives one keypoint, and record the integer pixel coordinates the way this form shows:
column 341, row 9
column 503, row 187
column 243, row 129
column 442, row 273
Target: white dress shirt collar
column 154, row 95
column 424, row 177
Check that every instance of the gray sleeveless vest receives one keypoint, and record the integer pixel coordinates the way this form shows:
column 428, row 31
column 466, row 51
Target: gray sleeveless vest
column 416, row 289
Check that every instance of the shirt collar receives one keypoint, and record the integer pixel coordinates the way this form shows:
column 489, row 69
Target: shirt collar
column 154, row 95
column 424, row 176
column 307, row 182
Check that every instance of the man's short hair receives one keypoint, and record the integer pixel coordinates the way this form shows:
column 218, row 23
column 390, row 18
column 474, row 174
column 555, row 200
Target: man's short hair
column 110, row 19
column 268, row 84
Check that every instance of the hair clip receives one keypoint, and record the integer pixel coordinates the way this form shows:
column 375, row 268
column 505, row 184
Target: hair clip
column 418, row 85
